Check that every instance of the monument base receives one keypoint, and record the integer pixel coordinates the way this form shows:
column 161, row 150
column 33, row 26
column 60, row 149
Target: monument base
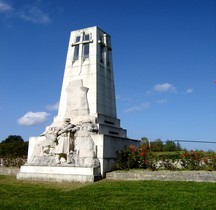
column 107, row 148
column 59, row 173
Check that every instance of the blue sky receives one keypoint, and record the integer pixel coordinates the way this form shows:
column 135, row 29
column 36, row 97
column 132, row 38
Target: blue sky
column 164, row 55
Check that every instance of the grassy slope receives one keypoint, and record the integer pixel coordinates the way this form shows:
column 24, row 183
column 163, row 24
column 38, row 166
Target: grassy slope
column 16, row 194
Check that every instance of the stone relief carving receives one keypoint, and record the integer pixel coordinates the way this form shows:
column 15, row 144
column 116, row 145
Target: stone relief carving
column 85, row 151
column 67, row 144
column 78, row 107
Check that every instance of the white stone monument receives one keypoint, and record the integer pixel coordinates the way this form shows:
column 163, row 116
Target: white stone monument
column 81, row 143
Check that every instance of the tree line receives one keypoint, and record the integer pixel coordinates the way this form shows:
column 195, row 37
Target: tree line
column 13, row 146
column 159, row 146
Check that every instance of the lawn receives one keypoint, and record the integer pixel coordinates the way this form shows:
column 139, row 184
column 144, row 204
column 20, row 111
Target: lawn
column 18, row 194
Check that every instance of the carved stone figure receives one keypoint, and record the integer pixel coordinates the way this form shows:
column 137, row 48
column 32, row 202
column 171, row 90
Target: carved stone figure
column 67, row 144
column 64, row 140
column 51, row 140
column 85, row 151
column 54, row 145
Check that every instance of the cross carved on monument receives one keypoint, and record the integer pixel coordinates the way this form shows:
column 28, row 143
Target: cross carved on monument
column 104, row 42
column 105, row 50
column 81, row 46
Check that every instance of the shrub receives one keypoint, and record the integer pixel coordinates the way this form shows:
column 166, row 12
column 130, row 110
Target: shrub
column 141, row 157
column 13, row 162
column 192, row 160
column 132, row 158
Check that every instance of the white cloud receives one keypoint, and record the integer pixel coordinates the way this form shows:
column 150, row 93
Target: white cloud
column 190, row 90
column 162, row 101
column 159, row 88
column 140, row 107
column 5, row 7
column 28, row 13
column 53, row 107
column 165, row 87
column 33, row 14
column 122, row 98
column 33, row 118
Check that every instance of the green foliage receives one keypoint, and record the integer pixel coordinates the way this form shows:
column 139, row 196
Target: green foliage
column 170, row 146
column 127, row 159
column 12, row 161
column 105, row 194
column 13, row 139
column 134, row 157
column 13, row 146
column 144, row 140
column 158, row 146
column 141, row 157
column 198, row 160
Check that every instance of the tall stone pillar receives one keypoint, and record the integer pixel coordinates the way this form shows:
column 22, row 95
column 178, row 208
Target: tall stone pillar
column 88, row 89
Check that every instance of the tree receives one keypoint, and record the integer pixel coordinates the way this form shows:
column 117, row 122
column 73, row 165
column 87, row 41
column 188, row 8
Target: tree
column 157, row 145
column 13, row 146
column 145, row 142
column 171, row 146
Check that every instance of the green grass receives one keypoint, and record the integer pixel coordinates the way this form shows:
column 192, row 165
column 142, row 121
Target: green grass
column 17, row 194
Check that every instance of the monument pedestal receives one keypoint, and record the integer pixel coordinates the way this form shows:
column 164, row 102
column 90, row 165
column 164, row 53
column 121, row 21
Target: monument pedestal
column 59, row 173
column 107, row 147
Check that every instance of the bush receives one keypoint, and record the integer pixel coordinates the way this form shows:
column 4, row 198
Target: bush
column 13, row 162
column 141, row 157
column 197, row 160
column 134, row 157
column 127, row 159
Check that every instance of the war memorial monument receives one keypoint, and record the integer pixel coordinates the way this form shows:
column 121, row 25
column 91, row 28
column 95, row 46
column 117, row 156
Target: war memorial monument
column 83, row 139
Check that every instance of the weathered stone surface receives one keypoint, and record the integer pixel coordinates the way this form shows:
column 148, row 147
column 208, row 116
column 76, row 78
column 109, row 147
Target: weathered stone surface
column 196, row 176
column 77, row 102
column 70, row 150
column 59, row 173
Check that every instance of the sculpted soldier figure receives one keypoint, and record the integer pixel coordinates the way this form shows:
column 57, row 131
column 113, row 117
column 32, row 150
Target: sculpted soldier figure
column 59, row 140
column 64, row 140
